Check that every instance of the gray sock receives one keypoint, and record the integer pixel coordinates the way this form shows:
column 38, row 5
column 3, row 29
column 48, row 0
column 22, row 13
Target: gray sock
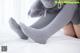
column 42, row 35
column 17, row 29
column 44, row 20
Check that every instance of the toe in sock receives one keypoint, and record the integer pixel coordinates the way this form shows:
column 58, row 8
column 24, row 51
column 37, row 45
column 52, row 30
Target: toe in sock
column 17, row 29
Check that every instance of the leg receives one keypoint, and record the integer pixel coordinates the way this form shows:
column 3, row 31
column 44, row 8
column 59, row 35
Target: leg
column 36, row 10
column 42, row 35
column 69, row 30
column 43, row 21
column 17, row 29
column 77, row 30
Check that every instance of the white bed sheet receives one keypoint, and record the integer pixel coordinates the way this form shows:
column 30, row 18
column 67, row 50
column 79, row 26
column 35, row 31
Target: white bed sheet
column 58, row 43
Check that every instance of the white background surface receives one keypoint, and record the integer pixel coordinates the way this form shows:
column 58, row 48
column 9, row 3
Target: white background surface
column 58, row 43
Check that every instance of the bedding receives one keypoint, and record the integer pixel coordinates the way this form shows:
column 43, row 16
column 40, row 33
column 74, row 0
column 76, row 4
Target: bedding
column 58, row 43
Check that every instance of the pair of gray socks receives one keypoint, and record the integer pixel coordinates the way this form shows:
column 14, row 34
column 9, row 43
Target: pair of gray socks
column 46, row 25
column 41, row 35
column 42, row 22
column 36, row 10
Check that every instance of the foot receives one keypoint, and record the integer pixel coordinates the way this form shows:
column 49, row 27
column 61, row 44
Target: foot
column 17, row 29
column 35, row 34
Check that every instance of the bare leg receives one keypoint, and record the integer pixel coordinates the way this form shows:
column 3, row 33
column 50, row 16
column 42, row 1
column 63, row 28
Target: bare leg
column 77, row 29
column 69, row 30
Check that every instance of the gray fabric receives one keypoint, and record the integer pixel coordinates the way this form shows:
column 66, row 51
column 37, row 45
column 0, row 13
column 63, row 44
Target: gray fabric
column 76, row 17
column 44, row 20
column 42, row 35
column 37, row 9
column 48, row 3
column 17, row 29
